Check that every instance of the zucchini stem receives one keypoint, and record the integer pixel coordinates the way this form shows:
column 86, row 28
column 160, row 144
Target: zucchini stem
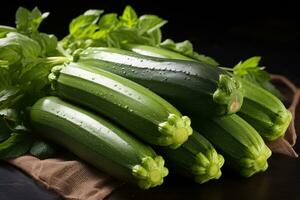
column 175, row 131
column 151, row 172
column 229, row 95
column 255, row 164
column 207, row 167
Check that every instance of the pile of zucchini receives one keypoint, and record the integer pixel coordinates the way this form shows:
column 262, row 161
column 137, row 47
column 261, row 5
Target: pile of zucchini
column 134, row 108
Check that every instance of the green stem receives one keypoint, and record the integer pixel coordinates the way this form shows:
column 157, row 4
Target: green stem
column 151, row 172
column 227, row 69
column 229, row 95
column 208, row 166
column 175, row 131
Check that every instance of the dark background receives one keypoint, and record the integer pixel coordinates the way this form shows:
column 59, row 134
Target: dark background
column 228, row 32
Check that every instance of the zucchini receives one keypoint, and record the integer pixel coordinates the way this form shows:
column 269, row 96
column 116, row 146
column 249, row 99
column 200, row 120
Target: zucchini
column 196, row 158
column 265, row 112
column 155, row 52
column 241, row 145
column 134, row 107
column 193, row 86
column 97, row 141
column 261, row 109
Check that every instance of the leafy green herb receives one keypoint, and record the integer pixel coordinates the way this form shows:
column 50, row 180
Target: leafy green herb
column 85, row 24
column 250, row 70
column 18, row 49
column 24, row 69
column 28, row 22
column 248, row 66
column 129, row 17
column 111, row 30
column 114, row 31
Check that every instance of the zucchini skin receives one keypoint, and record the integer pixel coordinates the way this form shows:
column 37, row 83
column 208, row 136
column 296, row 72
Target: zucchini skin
column 241, row 145
column 178, row 81
column 261, row 109
column 97, row 141
column 265, row 112
column 196, row 159
column 134, row 107
column 154, row 52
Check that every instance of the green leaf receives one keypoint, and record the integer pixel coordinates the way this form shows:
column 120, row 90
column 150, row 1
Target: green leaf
column 28, row 22
column 155, row 37
column 9, row 96
column 85, row 24
column 81, row 30
column 113, row 31
column 108, row 22
column 186, row 48
column 16, row 46
column 5, row 80
column 17, row 144
column 149, row 24
column 47, row 42
column 9, row 50
column 43, row 150
column 129, row 17
column 249, row 65
column 22, row 18
column 120, row 36
column 251, row 71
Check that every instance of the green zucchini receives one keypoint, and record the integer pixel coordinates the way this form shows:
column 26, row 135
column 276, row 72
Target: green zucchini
column 265, row 112
column 193, row 86
column 155, row 52
column 196, row 158
column 241, row 145
column 134, row 107
column 97, row 141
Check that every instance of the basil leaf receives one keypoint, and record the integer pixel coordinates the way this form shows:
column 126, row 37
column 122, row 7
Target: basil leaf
column 249, row 65
column 9, row 97
column 28, row 22
column 129, row 17
column 107, row 24
column 81, row 26
column 47, row 42
column 16, row 46
column 149, row 23
column 113, row 31
column 250, row 70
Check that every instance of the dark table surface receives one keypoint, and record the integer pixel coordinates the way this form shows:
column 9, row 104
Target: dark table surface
column 263, row 31
column 280, row 181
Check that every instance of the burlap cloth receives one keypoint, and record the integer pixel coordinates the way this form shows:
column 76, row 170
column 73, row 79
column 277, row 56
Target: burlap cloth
column 74, row 180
